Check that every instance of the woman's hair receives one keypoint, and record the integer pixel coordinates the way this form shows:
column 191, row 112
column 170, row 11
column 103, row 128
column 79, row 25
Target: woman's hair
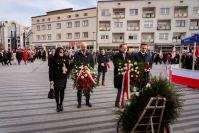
column 57, row 52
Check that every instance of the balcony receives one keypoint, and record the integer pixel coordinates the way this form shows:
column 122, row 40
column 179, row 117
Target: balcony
column 147, row 38
column 118, row 37
column 133, row 25
column 194, row 24
column 164, row 25
column 117, row 41
column 194, row 27
column 181, row 12
column 148, row 12
column 119, row 13
column 104, row 26
column 178, row 36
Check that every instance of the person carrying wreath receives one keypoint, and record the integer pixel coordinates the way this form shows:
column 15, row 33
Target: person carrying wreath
column 121, row 56
column 85, row 58
column 145, row 57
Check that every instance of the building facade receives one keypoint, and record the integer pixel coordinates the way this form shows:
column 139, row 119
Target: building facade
column 12, row 35
column 160, row 23
column 66, row 27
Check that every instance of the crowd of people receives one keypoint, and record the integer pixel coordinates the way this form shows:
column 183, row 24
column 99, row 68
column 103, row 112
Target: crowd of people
column 17, row 56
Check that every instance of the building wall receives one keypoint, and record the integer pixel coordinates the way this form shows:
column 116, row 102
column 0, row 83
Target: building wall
column 55, row 17
column 157, row 5
column 6, row 39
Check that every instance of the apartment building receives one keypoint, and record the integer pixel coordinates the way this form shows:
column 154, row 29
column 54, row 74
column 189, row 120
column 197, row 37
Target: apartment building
column 66, row 27
column 160, row 23
column 12, row 35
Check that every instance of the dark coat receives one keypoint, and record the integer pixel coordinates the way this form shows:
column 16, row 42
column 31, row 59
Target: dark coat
column 102, row 59
column 56, row 72
column 146, row 58
column 87, row 59
column 118, row 79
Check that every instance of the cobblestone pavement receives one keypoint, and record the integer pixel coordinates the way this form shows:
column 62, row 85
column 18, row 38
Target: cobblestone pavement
column 25, row 108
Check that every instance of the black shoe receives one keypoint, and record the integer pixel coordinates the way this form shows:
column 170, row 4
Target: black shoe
column 89, row 104
column 61, row 107
column 79, row 106
column 58, row 108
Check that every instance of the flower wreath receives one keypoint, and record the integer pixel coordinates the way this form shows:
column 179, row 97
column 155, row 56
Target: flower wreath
column 84, row 77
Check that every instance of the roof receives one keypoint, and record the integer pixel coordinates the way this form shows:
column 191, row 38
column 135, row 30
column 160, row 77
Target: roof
column 61, row 11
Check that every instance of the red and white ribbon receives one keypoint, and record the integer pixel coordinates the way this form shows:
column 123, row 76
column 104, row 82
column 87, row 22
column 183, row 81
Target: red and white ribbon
column 125, row 86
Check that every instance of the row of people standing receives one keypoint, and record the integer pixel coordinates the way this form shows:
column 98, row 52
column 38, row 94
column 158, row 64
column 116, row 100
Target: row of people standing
column 59, row 69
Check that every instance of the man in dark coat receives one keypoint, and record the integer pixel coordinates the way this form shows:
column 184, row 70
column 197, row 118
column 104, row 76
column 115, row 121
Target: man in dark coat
column 102, row 61
column 86, row 58
column 118, row 79
column 144, row 56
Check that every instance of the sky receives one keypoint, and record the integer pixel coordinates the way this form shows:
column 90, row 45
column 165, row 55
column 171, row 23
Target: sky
column 21, row 11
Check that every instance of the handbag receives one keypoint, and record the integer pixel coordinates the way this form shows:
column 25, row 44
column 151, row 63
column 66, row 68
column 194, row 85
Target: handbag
column 51, row 93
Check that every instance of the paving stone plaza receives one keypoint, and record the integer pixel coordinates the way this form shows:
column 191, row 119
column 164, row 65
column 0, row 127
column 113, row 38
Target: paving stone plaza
column 25, row 108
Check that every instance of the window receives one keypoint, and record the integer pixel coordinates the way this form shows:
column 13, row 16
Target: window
column 105, row 12
column 104, row 37
column 58, row 36
column 133, row 12
column 49, row 26
column 164, row 11
column 148, row 24
column 49, row 37
column 58, row 26
column 37, row 20
column 85, row 14
column 38, row 28
column 48, row 19
column 85, row 34
column 43, row 37
column 69, row 16
column 180, row 23
column 68, row 24
column 43, row 27
column 77, row 35
column 58, row 18
column 85, row 23
column 133, row 37
column 76, row 15
column 163, row 36
column 68, row 35
column 118, row 24
column 195, row 10
column 38, row 37
column 77, row 24
column 43, row 20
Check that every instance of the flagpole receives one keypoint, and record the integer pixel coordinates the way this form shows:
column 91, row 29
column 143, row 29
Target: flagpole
column 194, row 56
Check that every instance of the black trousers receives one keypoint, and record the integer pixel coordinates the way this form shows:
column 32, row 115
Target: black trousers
column 79, row 96
column 59, row 87
column 103, row 77
column 59, row 95
column 119, row 92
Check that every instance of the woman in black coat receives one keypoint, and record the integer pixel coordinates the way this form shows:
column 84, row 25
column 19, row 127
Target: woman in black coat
column 58, row 71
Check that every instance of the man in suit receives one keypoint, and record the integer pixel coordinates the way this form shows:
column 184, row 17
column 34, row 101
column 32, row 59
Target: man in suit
column 118, row 79
column 86, row 58
column 144, row 56
column 102, row 61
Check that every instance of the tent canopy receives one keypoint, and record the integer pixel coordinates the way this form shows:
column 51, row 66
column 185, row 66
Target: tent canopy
column 191, row 40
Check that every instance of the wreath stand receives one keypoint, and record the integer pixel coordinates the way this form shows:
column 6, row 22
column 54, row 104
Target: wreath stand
column 153, row 110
